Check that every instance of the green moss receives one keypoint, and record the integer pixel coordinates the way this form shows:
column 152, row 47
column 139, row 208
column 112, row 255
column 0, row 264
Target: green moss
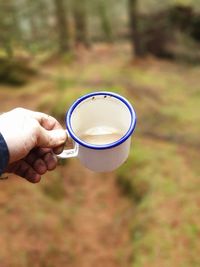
column 14, row 72
column 54, row 189
column 129, row 177
column 64, row 100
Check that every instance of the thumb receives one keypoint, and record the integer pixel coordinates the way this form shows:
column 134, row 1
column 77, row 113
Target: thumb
column 51, row 138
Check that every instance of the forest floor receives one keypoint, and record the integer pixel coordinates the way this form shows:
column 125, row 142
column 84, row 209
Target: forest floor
column 146, row 214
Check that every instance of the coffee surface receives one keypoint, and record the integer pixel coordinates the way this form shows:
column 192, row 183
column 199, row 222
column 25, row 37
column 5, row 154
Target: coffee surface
column 101, row 135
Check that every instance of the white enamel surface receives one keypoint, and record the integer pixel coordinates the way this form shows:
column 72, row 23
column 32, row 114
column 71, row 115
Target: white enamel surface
column 104, row 160
column 100, row 112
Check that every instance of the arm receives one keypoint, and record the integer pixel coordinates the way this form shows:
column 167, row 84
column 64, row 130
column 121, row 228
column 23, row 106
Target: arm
column 4, row 154
column 29, row 141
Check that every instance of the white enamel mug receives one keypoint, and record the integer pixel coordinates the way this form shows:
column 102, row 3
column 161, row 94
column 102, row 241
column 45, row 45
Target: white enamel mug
column 103, row 112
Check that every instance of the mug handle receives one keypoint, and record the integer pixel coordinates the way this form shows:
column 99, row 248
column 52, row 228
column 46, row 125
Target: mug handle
column 69, row 153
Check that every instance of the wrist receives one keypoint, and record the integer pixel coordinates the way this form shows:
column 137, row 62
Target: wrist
column 4, row 154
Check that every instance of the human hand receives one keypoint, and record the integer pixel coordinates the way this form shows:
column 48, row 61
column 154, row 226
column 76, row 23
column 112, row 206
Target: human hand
column 32, row 139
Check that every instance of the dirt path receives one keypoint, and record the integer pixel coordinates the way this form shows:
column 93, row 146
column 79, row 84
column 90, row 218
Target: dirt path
column 100, row 232
column 100, row 226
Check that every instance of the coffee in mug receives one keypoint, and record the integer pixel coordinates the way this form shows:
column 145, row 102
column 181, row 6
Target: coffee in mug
column 101, row 125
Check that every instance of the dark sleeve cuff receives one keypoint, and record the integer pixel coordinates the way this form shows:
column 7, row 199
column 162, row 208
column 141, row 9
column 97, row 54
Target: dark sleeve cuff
column 4, row 154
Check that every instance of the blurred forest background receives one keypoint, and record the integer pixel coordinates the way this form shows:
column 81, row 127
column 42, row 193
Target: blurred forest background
column 146, row 213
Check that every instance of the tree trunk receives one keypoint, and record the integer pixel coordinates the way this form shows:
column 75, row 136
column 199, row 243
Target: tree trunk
column 135, row 33
column 80, row 20
column 7, row 28
column 33, row 28
column 105, row 22
column 62, row 26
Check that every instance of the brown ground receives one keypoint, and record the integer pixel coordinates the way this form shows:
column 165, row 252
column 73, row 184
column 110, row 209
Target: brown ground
column 98, row 232
column 101, row 235
column 77, row 218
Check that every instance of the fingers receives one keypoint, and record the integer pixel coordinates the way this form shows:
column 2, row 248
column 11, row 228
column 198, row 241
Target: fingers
column 51, row 139
column 48, row 131
column 42, row 160
column 39, row 166
column 23, row 169
column 51, row 133
column 46, row 121
column 50, row 161
column 58, row 150
column 37, row 163
column 32, row 130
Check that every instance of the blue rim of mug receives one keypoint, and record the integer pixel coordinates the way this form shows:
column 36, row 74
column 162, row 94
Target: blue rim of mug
column 106, row 146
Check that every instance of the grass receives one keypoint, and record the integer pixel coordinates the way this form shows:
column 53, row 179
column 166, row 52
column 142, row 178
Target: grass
column 165, row 226
column 160, row 177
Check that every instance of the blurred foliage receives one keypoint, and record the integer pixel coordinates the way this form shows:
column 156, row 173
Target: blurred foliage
column 132, row 183
column 161, row 175
column 55, row 188
column 15, row 72
column 30, row 28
